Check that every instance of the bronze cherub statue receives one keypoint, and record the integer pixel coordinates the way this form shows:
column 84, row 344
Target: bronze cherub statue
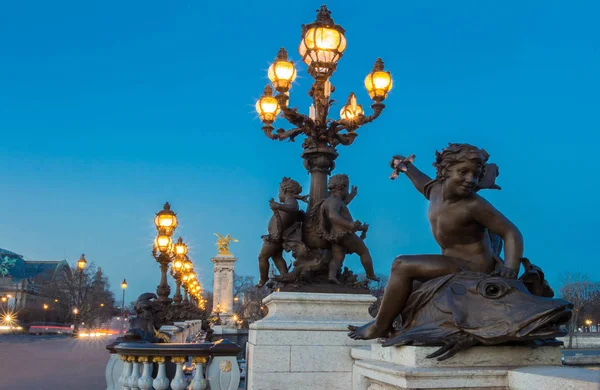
column 470, row 232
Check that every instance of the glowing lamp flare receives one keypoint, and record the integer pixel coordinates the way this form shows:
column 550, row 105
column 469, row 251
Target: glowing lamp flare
column 282, row 72
column 82, row 262
column 166, row 220
column 181, row 248
column 177, row 264
column 267, row 106
column 163, row 242
column 351, row 111
column 378, row 82
column 124, row 284
column 187, row 264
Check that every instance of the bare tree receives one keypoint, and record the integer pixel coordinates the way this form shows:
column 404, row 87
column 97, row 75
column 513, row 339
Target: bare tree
column 89, row 291
column 248, row 299
column 580, row 291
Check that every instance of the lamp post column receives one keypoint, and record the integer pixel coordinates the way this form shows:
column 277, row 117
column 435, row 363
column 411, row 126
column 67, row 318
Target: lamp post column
column 163, row 290
column 177, row 298
column 124, row 287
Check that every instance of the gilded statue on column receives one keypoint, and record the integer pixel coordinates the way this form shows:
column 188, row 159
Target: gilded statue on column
column 222, row 244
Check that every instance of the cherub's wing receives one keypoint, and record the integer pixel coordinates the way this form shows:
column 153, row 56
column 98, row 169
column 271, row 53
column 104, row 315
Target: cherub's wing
column 488, row 181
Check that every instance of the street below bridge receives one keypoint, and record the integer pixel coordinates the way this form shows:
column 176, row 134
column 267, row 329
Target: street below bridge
column 30, row 362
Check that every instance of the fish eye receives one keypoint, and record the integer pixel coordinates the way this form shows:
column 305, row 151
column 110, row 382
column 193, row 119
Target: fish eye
column 493, row 288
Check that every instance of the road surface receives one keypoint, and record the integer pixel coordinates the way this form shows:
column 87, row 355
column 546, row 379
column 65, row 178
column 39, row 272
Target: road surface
column 52, row 363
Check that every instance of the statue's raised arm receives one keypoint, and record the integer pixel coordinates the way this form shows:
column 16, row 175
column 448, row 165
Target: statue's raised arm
column 405, row 165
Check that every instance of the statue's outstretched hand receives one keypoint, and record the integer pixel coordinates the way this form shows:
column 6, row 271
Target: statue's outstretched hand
column 354, row 191
column 360, row 227
column 400, row 164
column 395, row 160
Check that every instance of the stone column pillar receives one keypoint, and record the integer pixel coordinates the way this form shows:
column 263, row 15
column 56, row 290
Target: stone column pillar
column 223, row 287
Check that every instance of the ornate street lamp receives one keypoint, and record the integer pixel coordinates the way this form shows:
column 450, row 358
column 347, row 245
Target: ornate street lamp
column 76, row 322
column 282, row 72
column 81, row 263
column 177, row 267
column 163, row 250
column 123, row 287
column 322, row 45
column 166, row 220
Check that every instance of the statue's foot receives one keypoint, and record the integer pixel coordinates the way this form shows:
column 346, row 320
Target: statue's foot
column 261, row 283
column 367, row 332
column 333, row 279
column 373, row 277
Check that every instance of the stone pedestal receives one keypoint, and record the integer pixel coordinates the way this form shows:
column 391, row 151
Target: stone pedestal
column 223, row 287
column 497, row 367
column 303, row 344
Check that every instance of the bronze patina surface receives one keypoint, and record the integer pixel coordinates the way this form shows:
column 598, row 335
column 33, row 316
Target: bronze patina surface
column 468, row 294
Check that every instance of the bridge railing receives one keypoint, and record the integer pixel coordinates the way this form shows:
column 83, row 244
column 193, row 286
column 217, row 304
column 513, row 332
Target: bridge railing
column 179, row 366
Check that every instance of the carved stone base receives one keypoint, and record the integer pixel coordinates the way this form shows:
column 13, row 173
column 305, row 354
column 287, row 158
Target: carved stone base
column 495, row 367
column 492, row 356
column 323, row 288
column 302, row 343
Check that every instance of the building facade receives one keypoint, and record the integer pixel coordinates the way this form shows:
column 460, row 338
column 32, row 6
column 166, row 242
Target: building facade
column 21, row 280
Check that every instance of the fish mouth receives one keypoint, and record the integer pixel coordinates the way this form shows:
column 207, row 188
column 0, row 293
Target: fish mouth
column 548, row 324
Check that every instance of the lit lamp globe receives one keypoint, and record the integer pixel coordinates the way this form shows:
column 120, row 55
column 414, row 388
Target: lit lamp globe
column 177, row 265
column 163, row 243
column 323, row 44
column 351, row 111
column 282, row 72
column 378, row 82
column 267, row 106
column 124, row 284
column 181, row 248
column 81, row 263
column 187, row 265
column 166, row 220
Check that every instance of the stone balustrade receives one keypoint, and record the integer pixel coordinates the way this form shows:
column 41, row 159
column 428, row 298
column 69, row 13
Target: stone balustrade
column 179, row 366
column 182, row 332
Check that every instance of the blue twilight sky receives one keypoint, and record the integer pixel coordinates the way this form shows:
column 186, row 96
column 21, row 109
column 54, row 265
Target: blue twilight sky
column 110, row 108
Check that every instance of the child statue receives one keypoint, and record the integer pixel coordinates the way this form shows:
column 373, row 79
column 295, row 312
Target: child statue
column 340, row 229
column 285, row 214
column 461, row 221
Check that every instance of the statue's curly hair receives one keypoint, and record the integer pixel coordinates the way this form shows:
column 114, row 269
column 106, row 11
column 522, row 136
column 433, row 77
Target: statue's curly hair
column 337, row 182
column 290, row 186
column 456, row 153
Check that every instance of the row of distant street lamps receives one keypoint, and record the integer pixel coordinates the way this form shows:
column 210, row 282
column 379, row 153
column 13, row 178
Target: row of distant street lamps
column 167, row 253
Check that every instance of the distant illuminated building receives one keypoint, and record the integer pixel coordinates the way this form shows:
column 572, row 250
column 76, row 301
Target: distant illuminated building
column 18, row 278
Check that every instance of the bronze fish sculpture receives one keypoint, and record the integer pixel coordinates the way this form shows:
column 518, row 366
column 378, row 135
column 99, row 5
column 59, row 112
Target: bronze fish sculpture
column 466, row 309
